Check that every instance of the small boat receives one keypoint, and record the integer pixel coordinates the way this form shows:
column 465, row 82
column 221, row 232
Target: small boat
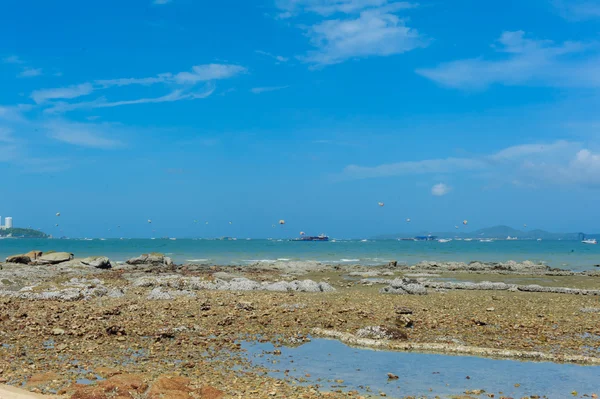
column 486, row 240
column 172, row 239
column 444, row 240
column 364, row 240
column 590, row 241
column 509, row 238
column 468, row 239
column 539, row 239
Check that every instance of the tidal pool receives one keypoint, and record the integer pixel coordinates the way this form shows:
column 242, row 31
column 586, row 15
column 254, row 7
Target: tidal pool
column 333, row 366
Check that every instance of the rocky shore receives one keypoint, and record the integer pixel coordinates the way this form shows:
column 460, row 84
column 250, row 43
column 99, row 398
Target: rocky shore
column 148, row 326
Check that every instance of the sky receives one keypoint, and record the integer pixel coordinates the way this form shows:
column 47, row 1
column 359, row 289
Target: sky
column 311, row 111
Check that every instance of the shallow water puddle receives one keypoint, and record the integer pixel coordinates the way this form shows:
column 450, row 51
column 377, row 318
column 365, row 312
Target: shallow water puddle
column 334, row 366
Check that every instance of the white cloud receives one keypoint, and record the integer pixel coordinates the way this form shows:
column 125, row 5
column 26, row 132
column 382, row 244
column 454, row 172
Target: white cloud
column 259, row 90
column 41, row 96
column 83, row 134
column 30, row 72
column 440, row 190
column 578, row 9
column 529, row 165
column 177, row 95
column 523, row 61
column 200, row 73
column 161, row 78
column 278, row 58
column 427, row 166
column 203, row 73
column 6, row 135
column 328, row 7
column 12, row 59
column 161, row 2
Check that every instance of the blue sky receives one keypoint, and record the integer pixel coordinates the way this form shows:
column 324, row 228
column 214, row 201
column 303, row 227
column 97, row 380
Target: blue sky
column 312, row 111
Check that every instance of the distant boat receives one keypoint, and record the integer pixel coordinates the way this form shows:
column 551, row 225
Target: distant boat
column 509, row 238
column 321, row 237
column 444, row 240
column 364, row 240
column 486, row 240
column 172, row 239
column 590, row 241
column 468, row 239
column 539, row 239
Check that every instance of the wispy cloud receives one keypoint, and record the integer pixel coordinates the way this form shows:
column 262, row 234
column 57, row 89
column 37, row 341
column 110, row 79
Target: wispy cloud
column 203, row 73
column 259, row 90
column 578, row 10
column 278, row 58
column 30, row 72
column 558, row 163
column 187, row 81
column 523, row 61
column 161, row 2
column 43, row 95
column 440, row 189
column 177, row 95
column 12, row 59
column 327, row 7
column 84, row 134
column 362, row 28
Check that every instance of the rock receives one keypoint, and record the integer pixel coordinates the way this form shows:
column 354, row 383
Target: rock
column 154, row 259
column 392, row 376
column 53, row 258
column 404, row 286
column 21, row 259
column 58, row 331
column 243, row 305
column 33, row 255
column 393, row 263
column 99, row 262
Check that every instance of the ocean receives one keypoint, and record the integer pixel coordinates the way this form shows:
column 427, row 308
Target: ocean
column 572, row 255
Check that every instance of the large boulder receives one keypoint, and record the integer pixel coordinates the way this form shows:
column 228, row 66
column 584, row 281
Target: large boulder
column 154, row 259
column 53, row 258
column 99, row 262
column 22, row 259
column 33, row 255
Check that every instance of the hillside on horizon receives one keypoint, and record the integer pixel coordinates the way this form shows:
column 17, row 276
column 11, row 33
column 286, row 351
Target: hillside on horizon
column 499, row 232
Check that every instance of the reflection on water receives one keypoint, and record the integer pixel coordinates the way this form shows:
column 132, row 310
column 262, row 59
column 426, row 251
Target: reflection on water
column 334, row 365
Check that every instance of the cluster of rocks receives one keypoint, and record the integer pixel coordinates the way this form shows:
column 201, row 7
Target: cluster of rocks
column 490, row 286
column 380, row 332
column 404, row 286
column 168, row 287
column 75, row 289
column 39, row 258
column 510, row 267
column 153, row 259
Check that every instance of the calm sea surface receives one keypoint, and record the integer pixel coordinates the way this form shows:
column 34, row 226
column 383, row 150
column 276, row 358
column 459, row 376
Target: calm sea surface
column 564, row 254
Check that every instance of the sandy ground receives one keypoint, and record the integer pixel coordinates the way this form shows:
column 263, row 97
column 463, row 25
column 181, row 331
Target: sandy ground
column 10, row 392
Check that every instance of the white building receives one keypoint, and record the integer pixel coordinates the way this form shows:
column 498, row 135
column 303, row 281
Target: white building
column 8, row 224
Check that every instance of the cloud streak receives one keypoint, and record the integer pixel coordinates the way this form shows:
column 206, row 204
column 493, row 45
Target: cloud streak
column 521, row 61
column 259, row 90
column 186, row 81
column 87, row 135
column 558, row 163
column 440, row 189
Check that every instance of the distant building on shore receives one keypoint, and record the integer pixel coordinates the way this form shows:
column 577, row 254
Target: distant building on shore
column 8, row 223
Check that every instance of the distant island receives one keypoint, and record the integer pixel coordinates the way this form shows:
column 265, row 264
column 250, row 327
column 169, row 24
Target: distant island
column 499, row 232
column 17, row 232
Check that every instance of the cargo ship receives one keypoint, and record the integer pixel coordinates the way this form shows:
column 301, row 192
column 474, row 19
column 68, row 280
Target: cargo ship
column 321, row 237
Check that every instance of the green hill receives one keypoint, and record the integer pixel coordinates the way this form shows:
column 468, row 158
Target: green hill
column 22, row 233
column 500, row 232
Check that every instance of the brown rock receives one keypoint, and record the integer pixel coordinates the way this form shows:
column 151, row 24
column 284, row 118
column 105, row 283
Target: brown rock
column 21, row 259
column 209, row 392
column 41, row 379
column 124, row 386
column 170, row 388
column 33, row 255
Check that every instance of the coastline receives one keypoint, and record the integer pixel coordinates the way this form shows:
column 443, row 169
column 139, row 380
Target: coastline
column 190, row 319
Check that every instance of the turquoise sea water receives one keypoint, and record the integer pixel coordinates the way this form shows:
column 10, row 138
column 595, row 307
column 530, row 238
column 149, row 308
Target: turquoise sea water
column 563, row 254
